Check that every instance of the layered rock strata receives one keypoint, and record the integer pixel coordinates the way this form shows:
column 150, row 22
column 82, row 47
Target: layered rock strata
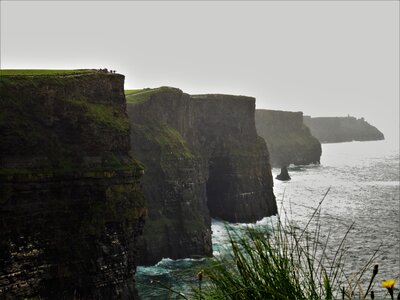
column 288, row 139
column 240, row 184
column 178, row 223
column 71, row 207
column 202, row 159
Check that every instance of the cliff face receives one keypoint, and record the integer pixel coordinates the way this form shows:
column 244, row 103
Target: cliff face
column 342, row 129
column 288, row 139
column 202, row 159
column 71, row 208
column 239, row 188
column 178, row 223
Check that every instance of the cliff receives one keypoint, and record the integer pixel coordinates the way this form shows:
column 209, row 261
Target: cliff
column 71, row 208
column 178, row 223
column 240, row 184
column 342, row 129
column 288, row 139
column 202, row 159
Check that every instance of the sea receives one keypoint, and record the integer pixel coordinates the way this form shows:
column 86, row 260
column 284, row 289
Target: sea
column 359, row 183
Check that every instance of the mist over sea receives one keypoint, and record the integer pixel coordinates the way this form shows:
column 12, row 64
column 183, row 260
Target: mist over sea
column 364, row 182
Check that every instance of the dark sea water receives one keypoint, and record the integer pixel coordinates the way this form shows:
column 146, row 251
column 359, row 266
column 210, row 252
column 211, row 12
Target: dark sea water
column 363, row 178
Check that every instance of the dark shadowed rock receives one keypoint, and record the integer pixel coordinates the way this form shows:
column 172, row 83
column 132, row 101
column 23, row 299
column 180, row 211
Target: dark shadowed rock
column 178, row 224
column 284, row 175
column 71, row 208
column 202, row 158
column 239, row 188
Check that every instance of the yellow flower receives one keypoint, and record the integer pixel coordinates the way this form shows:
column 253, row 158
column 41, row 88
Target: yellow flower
column 388, row 284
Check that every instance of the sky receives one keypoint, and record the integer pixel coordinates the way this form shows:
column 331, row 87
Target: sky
column 325, row 58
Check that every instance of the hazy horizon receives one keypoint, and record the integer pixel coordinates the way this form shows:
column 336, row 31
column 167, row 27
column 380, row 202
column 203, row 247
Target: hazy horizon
column 322, row 58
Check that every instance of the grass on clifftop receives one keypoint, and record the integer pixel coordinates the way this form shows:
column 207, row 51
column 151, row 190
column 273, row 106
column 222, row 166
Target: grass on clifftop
column 38, row 72
column 138, row 96
column 131, row 92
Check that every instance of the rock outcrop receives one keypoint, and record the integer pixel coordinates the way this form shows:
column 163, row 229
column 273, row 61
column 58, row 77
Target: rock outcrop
column 284, row 175
column 71, row 208
column 342, row 129
column 288, row 139
column 202, row 159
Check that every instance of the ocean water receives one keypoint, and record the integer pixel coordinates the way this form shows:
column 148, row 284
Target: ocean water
column 363, row 181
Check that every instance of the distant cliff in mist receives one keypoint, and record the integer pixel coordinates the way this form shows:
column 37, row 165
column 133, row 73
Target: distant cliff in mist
column 342, row 129
column 288, row 139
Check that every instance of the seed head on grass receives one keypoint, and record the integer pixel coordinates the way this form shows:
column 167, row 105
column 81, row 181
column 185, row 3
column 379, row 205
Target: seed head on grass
column 374, row 272
column 200, row 278
column 200, row 275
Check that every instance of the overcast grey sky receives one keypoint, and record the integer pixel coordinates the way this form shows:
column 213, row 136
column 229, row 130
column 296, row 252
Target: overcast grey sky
column 328, row 58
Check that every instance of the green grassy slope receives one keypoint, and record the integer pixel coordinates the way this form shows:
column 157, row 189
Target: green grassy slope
column 138, row 96
column 36, row 72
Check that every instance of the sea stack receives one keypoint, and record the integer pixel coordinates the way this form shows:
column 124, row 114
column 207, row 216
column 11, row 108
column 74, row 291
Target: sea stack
column 284, row 175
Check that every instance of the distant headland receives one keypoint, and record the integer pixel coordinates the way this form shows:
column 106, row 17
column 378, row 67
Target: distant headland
column 342, row 129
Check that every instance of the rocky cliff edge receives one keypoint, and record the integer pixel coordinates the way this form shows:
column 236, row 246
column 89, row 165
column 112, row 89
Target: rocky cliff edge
column 71, row 208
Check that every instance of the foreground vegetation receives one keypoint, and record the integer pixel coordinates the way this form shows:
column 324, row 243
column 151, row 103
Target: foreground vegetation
column 286, row 262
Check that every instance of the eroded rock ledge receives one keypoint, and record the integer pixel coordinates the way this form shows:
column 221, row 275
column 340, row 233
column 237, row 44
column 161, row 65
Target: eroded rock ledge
column 202, row 159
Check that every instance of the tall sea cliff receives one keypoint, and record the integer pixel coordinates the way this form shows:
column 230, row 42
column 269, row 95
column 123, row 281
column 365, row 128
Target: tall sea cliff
column 288, row 139
column 178, row 223
column 91, row 186
column 202, row 159
column 71, row 208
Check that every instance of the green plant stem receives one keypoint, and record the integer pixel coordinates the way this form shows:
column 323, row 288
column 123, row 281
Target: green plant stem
column 370, row 284
column 170, row 289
